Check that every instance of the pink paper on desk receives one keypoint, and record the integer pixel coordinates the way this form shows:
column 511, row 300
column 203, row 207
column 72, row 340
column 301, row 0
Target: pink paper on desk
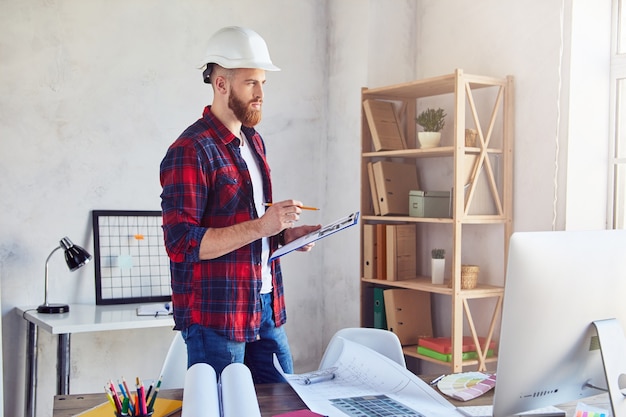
column 299, row 413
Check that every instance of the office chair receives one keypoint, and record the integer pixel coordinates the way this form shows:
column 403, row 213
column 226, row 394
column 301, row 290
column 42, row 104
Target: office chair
column 382, row 341
column 175, row 364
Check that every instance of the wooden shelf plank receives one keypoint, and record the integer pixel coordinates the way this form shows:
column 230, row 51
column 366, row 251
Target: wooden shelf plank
column 429, row 87
column 468, row 219
column 437, row 152
column 405, row 219
column 424, row 284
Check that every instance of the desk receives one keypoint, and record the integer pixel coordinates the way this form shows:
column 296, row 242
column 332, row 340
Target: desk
column 80, row 319
column 276, row 399
column 273, row 399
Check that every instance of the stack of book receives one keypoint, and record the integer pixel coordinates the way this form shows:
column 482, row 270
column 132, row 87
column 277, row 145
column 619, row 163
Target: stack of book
column 440, row 348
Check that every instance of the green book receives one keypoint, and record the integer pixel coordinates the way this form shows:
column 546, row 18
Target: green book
column 448, row 357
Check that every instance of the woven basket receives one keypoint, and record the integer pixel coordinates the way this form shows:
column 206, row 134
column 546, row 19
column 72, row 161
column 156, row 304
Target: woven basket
column 469, row 276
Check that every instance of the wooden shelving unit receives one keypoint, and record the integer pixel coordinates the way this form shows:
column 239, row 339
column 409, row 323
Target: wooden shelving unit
column 479, row 102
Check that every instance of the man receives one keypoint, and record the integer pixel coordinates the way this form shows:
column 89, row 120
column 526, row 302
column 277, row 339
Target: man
column 228, row 298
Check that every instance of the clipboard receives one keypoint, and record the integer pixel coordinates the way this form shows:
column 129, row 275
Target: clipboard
column 331, row 228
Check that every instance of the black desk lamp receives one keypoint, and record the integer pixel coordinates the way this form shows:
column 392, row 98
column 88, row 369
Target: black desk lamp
column 75, row 256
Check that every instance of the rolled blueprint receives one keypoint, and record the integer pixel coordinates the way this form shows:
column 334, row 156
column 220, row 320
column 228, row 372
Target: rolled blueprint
column 200, row 397
column 238, row 393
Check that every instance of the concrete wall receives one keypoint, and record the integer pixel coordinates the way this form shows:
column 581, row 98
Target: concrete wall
column 92, row 93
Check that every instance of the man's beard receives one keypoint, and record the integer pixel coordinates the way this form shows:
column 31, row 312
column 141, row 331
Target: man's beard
column 246, row 115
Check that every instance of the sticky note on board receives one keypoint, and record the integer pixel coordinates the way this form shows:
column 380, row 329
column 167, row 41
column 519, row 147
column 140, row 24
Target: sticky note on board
column 125, row 261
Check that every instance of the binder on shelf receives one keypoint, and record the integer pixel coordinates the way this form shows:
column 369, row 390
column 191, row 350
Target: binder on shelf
column 384, row 125
column 408, row 314
column 380, row 317
column 369, row 251
column 444, row 344
column 373, row 191
column 401, row 251
column 394, row 182
column 381, row 252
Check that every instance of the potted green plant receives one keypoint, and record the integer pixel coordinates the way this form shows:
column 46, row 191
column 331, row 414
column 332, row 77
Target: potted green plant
column 438, row 264
column 432, row 121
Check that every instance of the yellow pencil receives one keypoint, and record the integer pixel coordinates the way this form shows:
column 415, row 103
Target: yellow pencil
column 110, row 397
column 302, row 207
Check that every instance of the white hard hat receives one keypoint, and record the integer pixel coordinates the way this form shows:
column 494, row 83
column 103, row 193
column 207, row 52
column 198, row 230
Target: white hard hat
column 237, row 47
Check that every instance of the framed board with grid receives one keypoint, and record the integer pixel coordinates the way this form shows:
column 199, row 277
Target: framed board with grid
column 131, row 263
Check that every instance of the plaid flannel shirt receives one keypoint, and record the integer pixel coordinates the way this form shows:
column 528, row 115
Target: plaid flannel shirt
column 206, row 184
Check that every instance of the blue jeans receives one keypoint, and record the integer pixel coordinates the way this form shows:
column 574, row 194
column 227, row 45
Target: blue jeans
column 206, row 346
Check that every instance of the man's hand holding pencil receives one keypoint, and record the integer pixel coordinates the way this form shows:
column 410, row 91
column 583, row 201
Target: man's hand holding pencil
column 287, row 213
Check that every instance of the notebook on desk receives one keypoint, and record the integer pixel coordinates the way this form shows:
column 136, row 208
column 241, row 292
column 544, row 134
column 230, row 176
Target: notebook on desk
column 155, row 310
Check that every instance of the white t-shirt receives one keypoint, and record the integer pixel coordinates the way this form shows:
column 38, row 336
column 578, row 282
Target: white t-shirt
column 257, row 188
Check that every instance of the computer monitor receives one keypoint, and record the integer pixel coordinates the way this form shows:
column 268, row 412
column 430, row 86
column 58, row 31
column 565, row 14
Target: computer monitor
column 557, row 285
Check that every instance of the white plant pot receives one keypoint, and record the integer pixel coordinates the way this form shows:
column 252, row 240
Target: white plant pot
column 429, row 139
column 437, row 267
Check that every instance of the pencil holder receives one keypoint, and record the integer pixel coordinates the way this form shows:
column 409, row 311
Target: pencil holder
column 132, row 415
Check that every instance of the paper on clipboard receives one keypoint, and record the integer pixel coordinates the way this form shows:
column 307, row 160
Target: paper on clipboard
column 334, row 227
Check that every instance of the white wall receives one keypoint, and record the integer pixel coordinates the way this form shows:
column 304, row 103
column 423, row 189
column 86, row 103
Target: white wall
column 496, row 38
column 91, row 96
column 117, row 83
column 559, row 181
column 358, row 58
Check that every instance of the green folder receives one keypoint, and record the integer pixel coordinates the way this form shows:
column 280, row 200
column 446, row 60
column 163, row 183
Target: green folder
column 380, row 318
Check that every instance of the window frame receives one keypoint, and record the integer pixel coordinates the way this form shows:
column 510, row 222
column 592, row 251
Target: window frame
column 617, row 118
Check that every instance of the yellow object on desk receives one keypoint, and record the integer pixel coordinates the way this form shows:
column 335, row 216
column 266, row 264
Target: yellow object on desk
column 163, row 407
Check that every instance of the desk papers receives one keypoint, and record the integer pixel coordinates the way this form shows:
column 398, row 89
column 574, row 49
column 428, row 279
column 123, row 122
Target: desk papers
column 155, row 310
column 360, row 371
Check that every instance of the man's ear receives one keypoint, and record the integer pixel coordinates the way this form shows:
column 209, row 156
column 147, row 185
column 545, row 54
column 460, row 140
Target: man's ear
column 220, row 84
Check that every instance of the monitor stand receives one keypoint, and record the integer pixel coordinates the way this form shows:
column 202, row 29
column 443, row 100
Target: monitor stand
column 613, row 348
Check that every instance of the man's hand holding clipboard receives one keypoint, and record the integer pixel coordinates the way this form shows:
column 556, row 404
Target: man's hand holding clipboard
column 334, row 227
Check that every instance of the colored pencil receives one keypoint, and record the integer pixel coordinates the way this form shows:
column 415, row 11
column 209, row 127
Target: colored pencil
column 301, row 207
